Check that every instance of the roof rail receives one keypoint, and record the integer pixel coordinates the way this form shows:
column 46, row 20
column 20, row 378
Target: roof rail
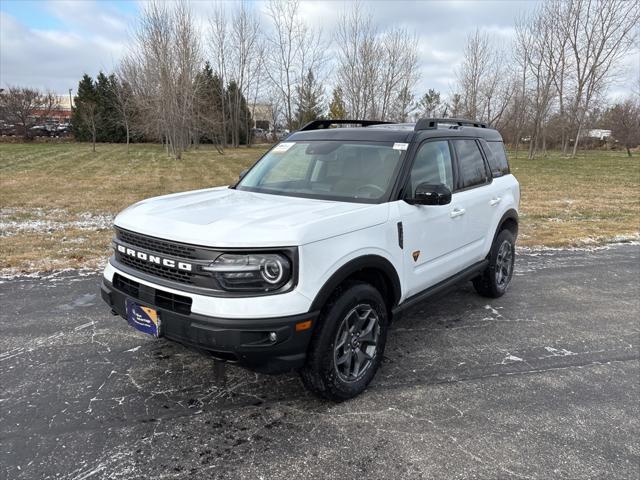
column 431, row 123
column 320, row 124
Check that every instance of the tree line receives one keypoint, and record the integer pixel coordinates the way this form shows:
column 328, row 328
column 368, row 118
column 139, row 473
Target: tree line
column 551, row 84
column 181, row 83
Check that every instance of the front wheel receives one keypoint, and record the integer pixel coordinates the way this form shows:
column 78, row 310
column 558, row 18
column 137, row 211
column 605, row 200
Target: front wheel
column 495, row 280
column 347, row 347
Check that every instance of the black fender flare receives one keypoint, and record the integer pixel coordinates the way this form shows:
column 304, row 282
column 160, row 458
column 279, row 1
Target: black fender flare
column 510, row 214
column 353, row 266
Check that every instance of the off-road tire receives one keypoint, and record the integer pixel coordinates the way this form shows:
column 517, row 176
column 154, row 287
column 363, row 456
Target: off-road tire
column 491, row 283
column 321, row 374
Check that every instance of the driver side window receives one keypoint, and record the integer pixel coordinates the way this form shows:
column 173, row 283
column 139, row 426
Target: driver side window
column 432, row 165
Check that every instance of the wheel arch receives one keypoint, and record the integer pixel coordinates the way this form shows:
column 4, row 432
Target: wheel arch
column 372, row 269
column 508, row 220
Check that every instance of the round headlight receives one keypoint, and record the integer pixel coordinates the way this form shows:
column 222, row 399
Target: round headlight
column 272, row 271
column 250, row 272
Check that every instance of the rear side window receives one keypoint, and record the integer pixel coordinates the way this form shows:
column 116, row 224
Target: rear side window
column 497, row 158
column 471, row 166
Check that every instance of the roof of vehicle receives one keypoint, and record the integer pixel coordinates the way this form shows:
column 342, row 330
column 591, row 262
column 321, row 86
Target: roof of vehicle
column 393, row 132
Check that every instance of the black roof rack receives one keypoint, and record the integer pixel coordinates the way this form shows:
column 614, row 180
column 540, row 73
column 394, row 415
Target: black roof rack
column 432, row 123
column 320, row 124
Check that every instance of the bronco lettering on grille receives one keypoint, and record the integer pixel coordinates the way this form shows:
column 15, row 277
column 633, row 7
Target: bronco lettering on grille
column 167, row 262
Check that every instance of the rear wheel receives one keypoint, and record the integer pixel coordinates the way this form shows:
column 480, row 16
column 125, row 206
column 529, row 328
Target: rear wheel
column 495, row 280
column 347, row 348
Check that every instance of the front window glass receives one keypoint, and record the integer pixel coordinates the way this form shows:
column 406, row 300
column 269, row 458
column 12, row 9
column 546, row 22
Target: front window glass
column 432, row 165
column 331, row 170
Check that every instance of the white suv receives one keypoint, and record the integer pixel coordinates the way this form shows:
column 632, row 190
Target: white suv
column 305, row 261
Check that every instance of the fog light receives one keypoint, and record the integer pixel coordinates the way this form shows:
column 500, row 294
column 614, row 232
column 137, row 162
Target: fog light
column 273, row 337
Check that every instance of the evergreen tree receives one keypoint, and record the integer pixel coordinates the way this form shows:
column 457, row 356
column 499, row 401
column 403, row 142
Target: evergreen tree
column 429, row 103
column 337, row 110
column 85, row 112
column 96, row 116
column 209, row 109
column 310, row 102
column 83, row 115
column 403, row 105
column 109, row 127
column 239, row 116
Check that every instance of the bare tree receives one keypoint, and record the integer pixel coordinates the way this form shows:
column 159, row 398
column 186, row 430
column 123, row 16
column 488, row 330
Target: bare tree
column 276, row 111
column 376, row 71
column 538, row 49
column 237, row 57
column 485, row 84
column 124, row 104
column 245, row 41
column 26, row 107
column 219, row 43
column 399, row 73
column 359, row 61
column 475, row 65
column 161, row 68
column 293, row 48
column 599, row 33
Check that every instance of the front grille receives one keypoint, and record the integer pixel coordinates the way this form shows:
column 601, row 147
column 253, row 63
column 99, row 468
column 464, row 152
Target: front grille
column 163, row 300
column 173, row 302
column 126, row 286
column 156, row 245
column 162, row 271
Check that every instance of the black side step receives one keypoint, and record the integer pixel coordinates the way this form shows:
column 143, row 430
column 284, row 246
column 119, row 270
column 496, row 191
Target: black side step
column 466, row 274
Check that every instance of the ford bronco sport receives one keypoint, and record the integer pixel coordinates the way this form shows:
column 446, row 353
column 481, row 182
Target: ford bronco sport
column 305, row 261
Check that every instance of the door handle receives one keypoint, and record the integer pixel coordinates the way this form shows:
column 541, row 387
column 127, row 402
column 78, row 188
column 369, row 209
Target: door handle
column 456, row 212
column 495, row 201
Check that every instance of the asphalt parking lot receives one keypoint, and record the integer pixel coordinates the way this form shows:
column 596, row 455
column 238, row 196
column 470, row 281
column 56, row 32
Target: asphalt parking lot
column 542, row 383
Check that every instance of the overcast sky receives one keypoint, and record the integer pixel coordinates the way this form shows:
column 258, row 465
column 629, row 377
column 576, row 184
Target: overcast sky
column 50, row 44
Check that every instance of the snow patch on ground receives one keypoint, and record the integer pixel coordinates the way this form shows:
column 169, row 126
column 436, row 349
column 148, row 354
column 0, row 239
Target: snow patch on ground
column 38, row 220
column 510, row 359
column 64, row 274
column 588, row 244
column 555, row 352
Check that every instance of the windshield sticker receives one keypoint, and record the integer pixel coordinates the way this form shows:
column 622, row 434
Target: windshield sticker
column 400, row 146
column 283, row 147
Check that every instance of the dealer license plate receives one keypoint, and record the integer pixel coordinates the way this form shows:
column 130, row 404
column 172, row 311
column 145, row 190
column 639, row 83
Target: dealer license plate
column 142, row 318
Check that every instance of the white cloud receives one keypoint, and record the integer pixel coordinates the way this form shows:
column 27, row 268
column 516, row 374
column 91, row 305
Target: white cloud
column 93, row 39
column 94, row 35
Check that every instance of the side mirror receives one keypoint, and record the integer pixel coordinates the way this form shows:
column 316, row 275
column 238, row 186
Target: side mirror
column 429, row 194
column 242, row 174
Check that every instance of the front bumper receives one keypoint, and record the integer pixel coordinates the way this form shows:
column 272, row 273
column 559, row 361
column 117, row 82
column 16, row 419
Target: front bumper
column 245, row 341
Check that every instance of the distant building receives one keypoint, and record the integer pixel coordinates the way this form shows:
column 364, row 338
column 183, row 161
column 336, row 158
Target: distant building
column 598, row 133
column 262, row 113
column 63, row 113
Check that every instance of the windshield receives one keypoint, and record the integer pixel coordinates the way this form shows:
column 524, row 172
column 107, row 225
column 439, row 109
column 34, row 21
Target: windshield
column 330, row 170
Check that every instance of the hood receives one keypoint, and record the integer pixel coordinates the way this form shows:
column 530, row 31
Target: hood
column 224, row 217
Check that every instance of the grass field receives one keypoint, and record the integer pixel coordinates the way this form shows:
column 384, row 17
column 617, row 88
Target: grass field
column 57, row 201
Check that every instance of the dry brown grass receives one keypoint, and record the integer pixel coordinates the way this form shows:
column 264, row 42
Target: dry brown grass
column 57, row 201
column 592, row 199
